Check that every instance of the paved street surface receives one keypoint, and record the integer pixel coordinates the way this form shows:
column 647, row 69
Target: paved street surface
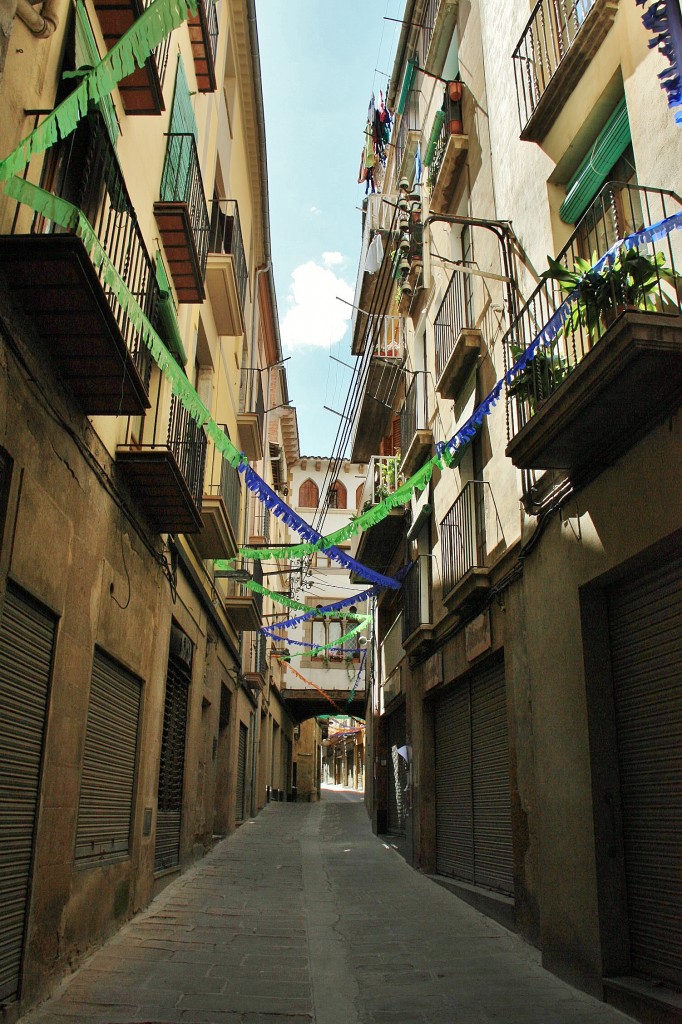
column 304, row 916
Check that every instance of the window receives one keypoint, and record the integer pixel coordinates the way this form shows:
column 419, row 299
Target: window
column 327, row 630
column 338, row 496
column 308, row 494
column 358, row 495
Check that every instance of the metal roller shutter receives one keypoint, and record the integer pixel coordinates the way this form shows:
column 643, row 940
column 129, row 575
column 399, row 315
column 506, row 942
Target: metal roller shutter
column 26, row 643
column 454, row 806
column 397, row 772
column 490, row 781
column 172, row 765
column 473, row 807
column 645, row 617
column 109, row 761
column 241, row 770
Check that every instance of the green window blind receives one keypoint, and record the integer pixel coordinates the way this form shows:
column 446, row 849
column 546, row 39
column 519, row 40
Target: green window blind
column 408, row 78
column 433, row 138
column 594, row 170
column 179, row 154
column 168, row 321
column 87, row 56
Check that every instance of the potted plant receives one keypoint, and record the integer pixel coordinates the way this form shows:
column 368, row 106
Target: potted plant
column 630, row 280
column 540, row 378
column 455, row 90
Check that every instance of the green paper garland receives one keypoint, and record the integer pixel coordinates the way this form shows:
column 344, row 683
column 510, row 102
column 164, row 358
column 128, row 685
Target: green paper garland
column 134, row 47
column 289, row 602
column 334, row 643
column 70, row 217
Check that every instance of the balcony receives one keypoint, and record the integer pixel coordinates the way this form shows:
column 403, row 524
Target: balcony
column 219, row 509
column 378, row 545
column 203, row 34
column 379, row 215
column 250, row 420
column 244, row 607
column 141, row 92
column 91, row 341
column 559, row 41
column 386, row 335
column 226, row 273
column 614, row 371
column 257, row 674
column 446, row 153
column 470, row 529
column 182, row 217
column 418, row 626
column 416, row 437
column 438, row 24
column 164, row 468
column 458, row 343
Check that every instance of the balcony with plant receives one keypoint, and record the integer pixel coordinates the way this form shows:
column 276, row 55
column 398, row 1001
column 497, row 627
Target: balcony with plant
column 557, row 44
column 447, row 148
column 378, row 545
column 611, row 364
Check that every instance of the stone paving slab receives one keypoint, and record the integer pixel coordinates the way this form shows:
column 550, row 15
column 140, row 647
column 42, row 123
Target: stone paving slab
column 304, row 917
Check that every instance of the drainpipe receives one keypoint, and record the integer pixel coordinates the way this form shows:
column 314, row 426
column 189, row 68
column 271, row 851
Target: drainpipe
column 43, row 24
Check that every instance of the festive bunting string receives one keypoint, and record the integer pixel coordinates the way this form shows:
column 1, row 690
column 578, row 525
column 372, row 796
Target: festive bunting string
column 289, row 602
column 664, row 20
column 133, row 48
column 314, row 647
column 281, row 510
column 328, row 609
column 337, row 643
column 308, row 681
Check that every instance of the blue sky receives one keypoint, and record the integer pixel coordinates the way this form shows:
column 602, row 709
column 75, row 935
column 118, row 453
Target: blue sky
column 318, row 60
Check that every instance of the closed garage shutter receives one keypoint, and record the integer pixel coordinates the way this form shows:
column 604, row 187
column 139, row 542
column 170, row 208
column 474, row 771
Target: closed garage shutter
column 26, row 641
column 454, row 806
column 645, row 618
column 108, row 777
column 241, row 770
column 473, row 807
column 397, row 772
column 490, row 781
column 172, row 764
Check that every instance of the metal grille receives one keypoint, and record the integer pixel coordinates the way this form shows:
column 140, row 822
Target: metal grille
column 645, row 618
column 187, row 441
column 241, row 770
column 473, row 807
column 26, row 643
column 226, row 237
column 172, row 765
column 414, row 413
column 181, row 182
column 453, row 316
column 109, row 760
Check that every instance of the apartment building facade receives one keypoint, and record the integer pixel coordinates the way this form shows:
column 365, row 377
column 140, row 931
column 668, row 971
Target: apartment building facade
column 135, row 688
column 527, row 668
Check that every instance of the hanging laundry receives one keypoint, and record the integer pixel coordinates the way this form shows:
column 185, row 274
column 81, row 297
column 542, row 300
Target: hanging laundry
column 375, row 254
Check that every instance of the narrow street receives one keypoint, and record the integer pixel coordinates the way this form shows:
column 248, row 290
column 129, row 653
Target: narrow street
column 303, row 915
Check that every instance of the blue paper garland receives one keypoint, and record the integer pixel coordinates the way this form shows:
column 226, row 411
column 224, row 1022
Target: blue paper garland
column 663, row 18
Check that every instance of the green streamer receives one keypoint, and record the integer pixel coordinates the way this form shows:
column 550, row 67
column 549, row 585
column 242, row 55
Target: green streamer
column 134, row 47
column 370, row 518
column 70, row 217
column 314, row 651
column 289, row 602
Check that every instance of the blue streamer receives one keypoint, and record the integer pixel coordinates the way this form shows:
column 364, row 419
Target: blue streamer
column 664, row 20
column 337, row 606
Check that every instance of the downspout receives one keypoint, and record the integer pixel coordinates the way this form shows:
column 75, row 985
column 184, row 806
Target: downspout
column 43, row 24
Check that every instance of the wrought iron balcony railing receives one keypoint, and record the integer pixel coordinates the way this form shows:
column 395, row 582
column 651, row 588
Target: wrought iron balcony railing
column 464, row 533
column 428, row 23
column 226, row 236
column 409, row 122
column 228, row 487
column 181, row 183
column 417, row 596
column 387, row 334
column 88, row 175
column 454, row 315
column 651, row 286
column 187, row 441
column 550, row 48
column 414, row 413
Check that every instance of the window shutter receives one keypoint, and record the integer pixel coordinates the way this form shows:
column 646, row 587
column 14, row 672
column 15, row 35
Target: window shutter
column 594, row 170
column 408, row 78
column 176, row 173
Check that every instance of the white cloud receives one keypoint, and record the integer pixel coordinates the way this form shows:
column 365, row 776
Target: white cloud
column 332, row 259
column 314, row 210
column 316, row 318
